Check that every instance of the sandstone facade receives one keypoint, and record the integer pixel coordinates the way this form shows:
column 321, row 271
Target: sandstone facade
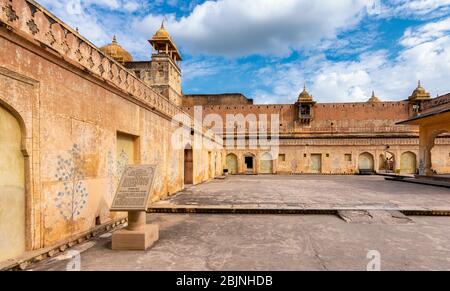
column 72, row 117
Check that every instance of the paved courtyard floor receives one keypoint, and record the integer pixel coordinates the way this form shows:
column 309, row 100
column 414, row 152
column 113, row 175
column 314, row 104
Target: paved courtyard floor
column 208, row 242
column 288, row 242
column 310, row 192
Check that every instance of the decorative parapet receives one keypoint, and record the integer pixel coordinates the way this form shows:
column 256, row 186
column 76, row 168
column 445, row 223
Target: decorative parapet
column 31, row 19
column 436, row 103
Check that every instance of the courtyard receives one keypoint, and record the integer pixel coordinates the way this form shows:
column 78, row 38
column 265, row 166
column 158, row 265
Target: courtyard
column 309, row 192
column 220, row 242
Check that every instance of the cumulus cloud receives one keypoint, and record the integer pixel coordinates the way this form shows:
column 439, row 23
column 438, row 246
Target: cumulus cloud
column 426, row 33
column 216, row 36
column 268, row 27
column 85, row 16
column 425, row 55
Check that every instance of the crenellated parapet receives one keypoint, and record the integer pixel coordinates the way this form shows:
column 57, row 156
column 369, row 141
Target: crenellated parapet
column 30, row 20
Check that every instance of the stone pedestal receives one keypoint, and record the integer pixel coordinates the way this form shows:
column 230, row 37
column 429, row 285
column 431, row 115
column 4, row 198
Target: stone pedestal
column 138, row 235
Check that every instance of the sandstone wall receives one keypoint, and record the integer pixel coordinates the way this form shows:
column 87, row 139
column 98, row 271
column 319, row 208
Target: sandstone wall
column 215, row 99
column 72, row 102
column 343, row 157
column 338, row 119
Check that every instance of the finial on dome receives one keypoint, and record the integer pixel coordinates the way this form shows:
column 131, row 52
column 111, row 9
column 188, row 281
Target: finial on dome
column 374, row 98
column 114, row 40
column 419, row 93
column 304, row 96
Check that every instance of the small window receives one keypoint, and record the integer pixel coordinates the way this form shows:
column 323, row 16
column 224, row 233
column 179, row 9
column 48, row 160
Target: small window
column 304, row 155
column 328, row 155
column 348, row 157
column 282, row 158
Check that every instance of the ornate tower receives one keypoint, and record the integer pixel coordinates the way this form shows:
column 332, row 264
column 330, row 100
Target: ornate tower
column 417, row 98
column 305, row 104
column 165, row 66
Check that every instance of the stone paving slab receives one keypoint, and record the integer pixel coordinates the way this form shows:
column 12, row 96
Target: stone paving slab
column 273, row 243
column 309, row 193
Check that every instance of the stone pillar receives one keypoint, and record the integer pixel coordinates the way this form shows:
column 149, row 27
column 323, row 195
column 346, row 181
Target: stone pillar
column 136, row 220
column 397, row 160
column 426, row 143
column 138, row 235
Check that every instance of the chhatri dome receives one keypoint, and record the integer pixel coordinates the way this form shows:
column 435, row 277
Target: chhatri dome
column 304, row 96
column 163, row 43
column 420, row 93
column 115, row 51
column 374, row 99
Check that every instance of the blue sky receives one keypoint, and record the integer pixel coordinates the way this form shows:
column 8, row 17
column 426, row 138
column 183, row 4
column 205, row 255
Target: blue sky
column 268, row 49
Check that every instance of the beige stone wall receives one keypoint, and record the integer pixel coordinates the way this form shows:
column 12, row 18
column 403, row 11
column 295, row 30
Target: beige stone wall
column 71, row 116
column 440, row 159
column 298, row 159
column 215, row 99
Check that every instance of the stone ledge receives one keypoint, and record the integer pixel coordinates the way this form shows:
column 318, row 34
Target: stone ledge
column 31, row 257
column 421, row 181
column 412, row 211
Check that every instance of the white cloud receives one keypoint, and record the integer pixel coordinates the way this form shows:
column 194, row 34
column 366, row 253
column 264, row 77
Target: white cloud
column 247, row 27
column 419, row 7
column 425, row 56
column 236, row 28
column 82, row 14
column 426, row 33
column 200, row 68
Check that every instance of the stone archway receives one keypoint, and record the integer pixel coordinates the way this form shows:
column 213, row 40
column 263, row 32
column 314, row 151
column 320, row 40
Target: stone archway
column 249, row 164
column 427, row 143
column 232, row 164
column 366, row 163
column 266, row 164
column 387, row 162
column 439, row 155
column 12, row 187
column 408, row 163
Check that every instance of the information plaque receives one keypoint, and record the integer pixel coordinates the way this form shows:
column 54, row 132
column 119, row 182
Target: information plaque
column 134, row 188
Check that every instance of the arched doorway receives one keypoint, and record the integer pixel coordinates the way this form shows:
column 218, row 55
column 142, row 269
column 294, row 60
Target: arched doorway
column 188, row 167
column 232, row 164
column 387, row 163
column 266, row 164
column 408, row 163
column 12, row 187
column 365, row 164
column 440, row 154
column 249, row 164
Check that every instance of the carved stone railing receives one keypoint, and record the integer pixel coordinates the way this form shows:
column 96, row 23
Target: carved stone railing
column 436, row 102
column 29, row 18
